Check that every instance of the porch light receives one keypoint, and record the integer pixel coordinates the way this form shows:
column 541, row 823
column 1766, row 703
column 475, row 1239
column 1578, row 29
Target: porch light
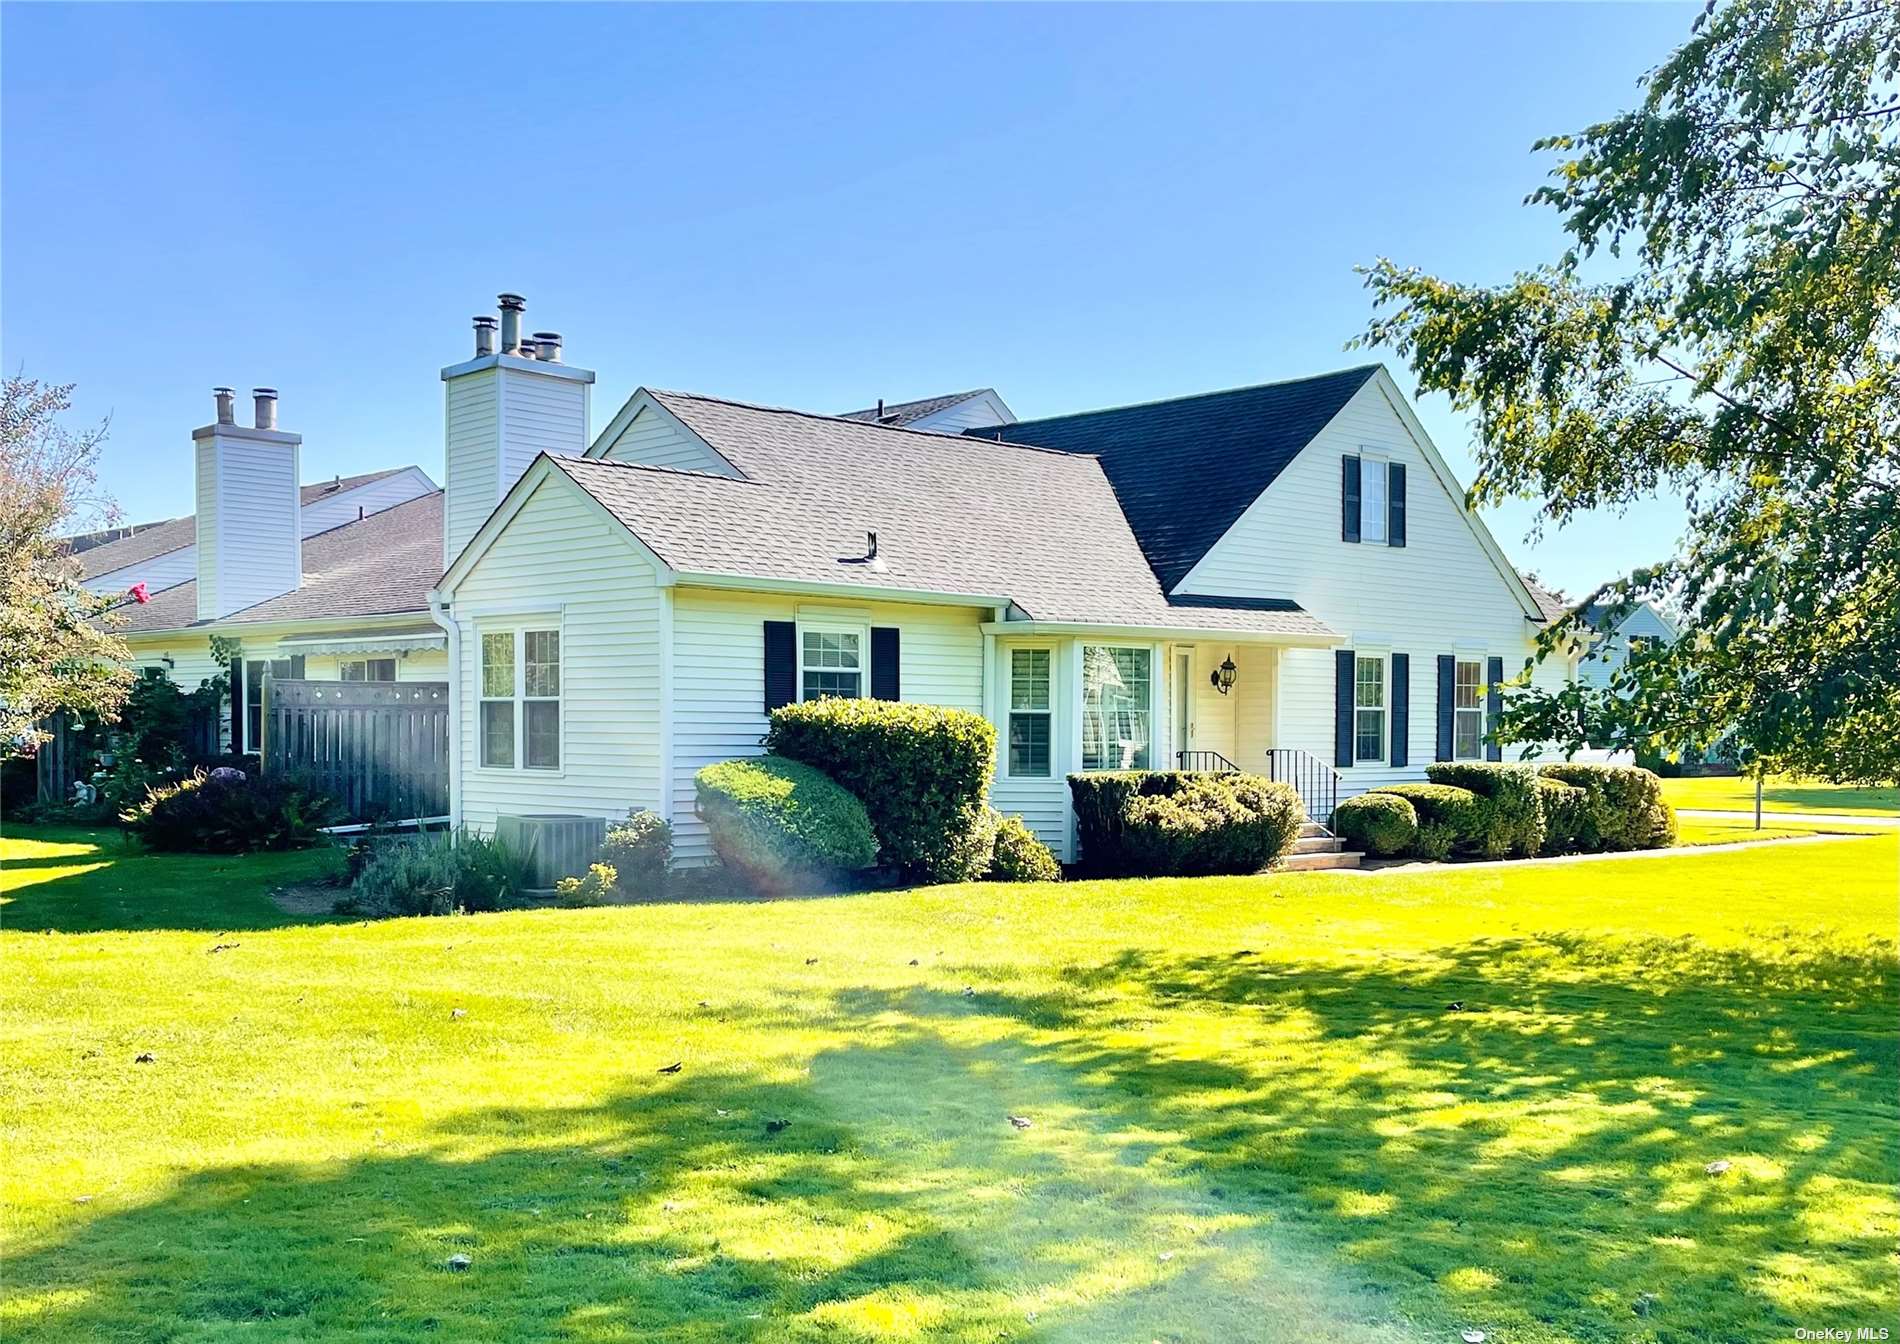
column 1222, row 678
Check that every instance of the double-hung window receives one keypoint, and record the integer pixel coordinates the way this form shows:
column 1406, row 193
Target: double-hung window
column 369, row 669
column 1117, row 707
column 1467, row 737
column 830, row 662
column 1368, row 709
column 1029, row 714
column 1373, row 498
column 521, row 699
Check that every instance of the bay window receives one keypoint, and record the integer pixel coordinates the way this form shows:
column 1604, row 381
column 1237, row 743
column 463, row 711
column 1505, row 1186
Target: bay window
column 1029, row 714
column 1117, row 707
column 520, row 716
column 1368, row 699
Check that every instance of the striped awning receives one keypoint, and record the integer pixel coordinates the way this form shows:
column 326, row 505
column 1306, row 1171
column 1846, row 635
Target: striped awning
column 367, row 641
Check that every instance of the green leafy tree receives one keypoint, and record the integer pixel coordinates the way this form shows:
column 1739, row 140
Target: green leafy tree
column 57, row 650
column 1722, row 325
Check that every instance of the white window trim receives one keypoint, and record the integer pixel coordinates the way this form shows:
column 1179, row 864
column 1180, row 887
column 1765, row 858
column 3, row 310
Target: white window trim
column 250, row 748
column 1374, row 462
column 519, row 628
column 1081, row 675
column 1055, row 699
column 1477, row 661
column 833, row 627
column 1383, row 658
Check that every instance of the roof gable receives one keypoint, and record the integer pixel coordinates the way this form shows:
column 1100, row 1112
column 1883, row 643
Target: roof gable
column 1184, row 470
column 905, row 414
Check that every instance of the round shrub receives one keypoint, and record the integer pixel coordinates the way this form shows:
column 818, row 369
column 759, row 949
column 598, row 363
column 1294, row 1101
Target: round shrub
column 411, row 875
column 596, row 887
column 781, row 825
column 1018, row 856
column 922, row 771
column 639, row 850
column 1379, row 824
column 229, row 812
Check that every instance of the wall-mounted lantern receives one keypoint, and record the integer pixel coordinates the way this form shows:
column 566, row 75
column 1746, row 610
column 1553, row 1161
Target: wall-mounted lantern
column 1222, row 678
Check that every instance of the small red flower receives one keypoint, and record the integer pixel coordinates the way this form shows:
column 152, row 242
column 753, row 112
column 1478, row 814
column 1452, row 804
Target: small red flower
column 139, row 594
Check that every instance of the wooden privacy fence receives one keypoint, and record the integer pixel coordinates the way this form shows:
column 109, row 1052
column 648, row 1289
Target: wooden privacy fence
column 379, row 748
column 67, row 754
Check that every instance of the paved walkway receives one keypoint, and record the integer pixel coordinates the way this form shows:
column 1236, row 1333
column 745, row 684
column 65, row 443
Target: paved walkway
column 1793, row 818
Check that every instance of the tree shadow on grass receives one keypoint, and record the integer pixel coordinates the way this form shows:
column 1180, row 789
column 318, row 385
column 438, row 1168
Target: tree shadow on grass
column 1219, row 1147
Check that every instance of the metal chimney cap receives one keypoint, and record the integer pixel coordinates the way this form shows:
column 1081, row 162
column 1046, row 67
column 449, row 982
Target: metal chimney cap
column 264, row 392
column 487, row 320
column 514, row 301
column 554, row 336
column 224, row 392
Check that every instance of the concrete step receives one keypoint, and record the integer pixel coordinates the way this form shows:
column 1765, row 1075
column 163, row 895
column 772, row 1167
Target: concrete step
column 1311, row 828
column 1301, row 863
column 1318, row 844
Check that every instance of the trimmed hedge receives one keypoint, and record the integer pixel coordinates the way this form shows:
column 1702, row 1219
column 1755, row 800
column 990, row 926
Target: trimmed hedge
column 922, row 771
column 1019, row 856
column 1379, row 824
column 1566, row 815
column 781, row 825
column 1457, row 818
column 1511, row 822
column 1626, row 809
column 1180, row 823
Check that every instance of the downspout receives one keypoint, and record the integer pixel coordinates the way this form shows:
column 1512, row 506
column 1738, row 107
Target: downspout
column 439, row 613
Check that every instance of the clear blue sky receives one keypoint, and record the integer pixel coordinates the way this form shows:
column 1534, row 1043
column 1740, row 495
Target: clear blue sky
column 805, row 206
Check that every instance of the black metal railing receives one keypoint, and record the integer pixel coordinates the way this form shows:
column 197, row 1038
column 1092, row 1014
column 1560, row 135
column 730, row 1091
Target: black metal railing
column 1204, row 760
column 1316, row 782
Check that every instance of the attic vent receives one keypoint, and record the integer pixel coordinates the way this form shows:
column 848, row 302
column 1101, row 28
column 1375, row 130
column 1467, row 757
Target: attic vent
column 869, row 559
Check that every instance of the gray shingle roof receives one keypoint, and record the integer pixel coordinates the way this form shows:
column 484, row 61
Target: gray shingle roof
column 156, row 539
column 1185, row 469
column 1549, row 604
column 953, row 516
column 383, row 564
column 901, row 413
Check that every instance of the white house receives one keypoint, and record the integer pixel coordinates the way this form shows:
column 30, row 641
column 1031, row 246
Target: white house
column 1283, row 577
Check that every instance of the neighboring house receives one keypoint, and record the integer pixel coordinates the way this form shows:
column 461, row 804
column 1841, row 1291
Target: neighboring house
column 1610, row 648
column 1282, row 577
column 952, row 414
column 328, row 581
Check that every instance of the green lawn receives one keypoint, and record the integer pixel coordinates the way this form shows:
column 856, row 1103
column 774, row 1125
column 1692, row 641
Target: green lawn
column 1781, row 793
column 1733, row 830
column 1252, row 1113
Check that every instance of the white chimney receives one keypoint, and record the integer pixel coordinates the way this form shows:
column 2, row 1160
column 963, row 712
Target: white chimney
column 502, row 409
column 250, row 533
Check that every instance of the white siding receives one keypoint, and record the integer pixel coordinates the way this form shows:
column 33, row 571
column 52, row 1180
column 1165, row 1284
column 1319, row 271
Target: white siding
column 1612, row 651
column 328, row 511
column 560, row 564
column 416, row 665
column 539, row 414
column 719, row 675
column 470, row 457
column 654, row 439
column 248, row 543
column 1439, row 593
column 978, row 412
column 1043, row 804
column 159, row 573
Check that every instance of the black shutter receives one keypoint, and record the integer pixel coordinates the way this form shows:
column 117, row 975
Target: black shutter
column 1395, row 504
column 1349, row 498
column 1447, row 693
column 781, row 664
column 237, row 704
column 884, row 656
column 1493, row 705
column 1342, row 702
column 1401, row 707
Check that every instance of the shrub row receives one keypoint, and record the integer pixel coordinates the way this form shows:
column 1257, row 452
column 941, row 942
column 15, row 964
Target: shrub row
column 1178, row 823
column 229, row 811
column 1491, row 810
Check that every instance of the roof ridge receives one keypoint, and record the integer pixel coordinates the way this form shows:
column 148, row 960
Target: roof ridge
column 372, row 517
column 948, row 398
column 562, row 459
column 930, row 434
column 978, row 433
